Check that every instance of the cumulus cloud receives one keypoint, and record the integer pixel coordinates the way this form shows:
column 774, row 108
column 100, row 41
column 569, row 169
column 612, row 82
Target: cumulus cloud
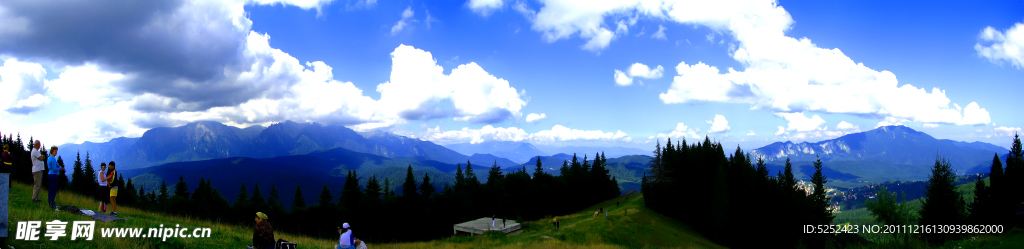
column 407, row 15
column 637, row 70
column 890, row 121
column 1002, row 46
column 417, row 84
column 800, row 123
column 1006, row 131
column 485, row 7
column 681, row 131
column 843, row 125
column 751, row 133
column 781, row 73
column 557, row 133
column 167, row 63
column 660, row 34
column 930, row 125
column 23, row 86
column 534, row 118
column 622, row 79
column 719, row 124
column 780, row 131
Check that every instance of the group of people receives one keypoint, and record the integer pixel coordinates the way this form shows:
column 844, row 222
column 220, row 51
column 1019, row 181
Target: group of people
column 263, row 235
column 46, row 162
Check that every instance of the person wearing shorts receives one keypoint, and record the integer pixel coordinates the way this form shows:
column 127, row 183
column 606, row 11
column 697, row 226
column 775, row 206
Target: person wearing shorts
column 103, row 192
column 111, row 175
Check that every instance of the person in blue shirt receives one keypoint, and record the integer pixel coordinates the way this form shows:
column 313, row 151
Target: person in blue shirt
column 51, row 177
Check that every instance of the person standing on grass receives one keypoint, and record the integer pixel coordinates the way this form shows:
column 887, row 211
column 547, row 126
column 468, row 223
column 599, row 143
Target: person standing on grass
column 38, row 166
column 104, row 192
column 263, row 233
column 54, row 171
column 8, row 161
column 111, row 175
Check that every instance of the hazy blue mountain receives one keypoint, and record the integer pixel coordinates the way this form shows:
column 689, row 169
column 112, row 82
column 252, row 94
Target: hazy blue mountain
column 488, row 160
column 609, row 152
column 211, row 140
column 978, row 145
column 391, row 145
column 518, row 152
column 311, row 171
column 885, row 153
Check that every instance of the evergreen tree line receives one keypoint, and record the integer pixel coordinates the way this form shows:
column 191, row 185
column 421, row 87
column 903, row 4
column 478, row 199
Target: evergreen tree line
column 414, row 211
column 994, row 203
column 732, row 200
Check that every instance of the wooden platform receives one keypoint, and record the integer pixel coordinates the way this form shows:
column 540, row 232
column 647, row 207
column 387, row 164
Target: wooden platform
column 483, row 225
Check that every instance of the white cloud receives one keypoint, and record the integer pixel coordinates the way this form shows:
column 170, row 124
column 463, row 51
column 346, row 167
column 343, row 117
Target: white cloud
column 890, row 121
column 1006, row 131
column 781, row 73
column 484, row 7
column 751, row 133
column 534, row 118
column 800, row 123
column 719, row 125
column 407, row 15
column 87, row 85
column 643, row 71
column 681, row 131
column 843, row 125
column 23, row 86
column 622, row 79
column 780, row 131
column 1002, row 46
column 557, row 133
column 929, row 125
column 637, row 70
column 417, row 84
column 660, row 34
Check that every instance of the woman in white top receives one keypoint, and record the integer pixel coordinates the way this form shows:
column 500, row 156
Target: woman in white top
column 104, row 192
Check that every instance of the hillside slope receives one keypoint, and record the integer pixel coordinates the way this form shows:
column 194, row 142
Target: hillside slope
column 640, row 228
column 222, row 235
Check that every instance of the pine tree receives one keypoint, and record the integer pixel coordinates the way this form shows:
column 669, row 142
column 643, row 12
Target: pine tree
column 181, row 188
column 162, row 199
column 978, row 208
column 471, row 181
column 274, row 200
column 243, row 197
column 90, row 173
column 942, row 204
column 426, row 189
column 298, row 202
column 409, row 187
column 820, row 211
column 325, row 197
column 257, row 200
column 388, row 193
column 373, row 190
column 539, row 171
column 62, row 181
column 78, row 177
column 788, row 179
column 350, row 193
column 494, row 176
column 460, row 179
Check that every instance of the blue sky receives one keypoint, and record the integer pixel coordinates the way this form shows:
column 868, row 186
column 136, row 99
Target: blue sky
column 800, row 71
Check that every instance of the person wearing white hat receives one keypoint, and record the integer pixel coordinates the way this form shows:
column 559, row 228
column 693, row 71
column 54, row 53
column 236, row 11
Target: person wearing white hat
column 346, row 241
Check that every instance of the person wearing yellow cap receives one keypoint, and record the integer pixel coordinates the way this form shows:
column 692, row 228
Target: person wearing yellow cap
column 263, row 234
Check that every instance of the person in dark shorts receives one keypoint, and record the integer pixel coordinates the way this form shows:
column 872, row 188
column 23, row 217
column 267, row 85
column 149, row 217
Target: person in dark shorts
column 104, row 192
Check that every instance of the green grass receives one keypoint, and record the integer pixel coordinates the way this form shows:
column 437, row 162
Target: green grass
column 641, row 228
column 223, row 235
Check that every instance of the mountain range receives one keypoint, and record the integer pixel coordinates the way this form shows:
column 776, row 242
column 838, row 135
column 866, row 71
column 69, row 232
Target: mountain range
column 212, row 140
column 322, row 154
column 885, row 153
